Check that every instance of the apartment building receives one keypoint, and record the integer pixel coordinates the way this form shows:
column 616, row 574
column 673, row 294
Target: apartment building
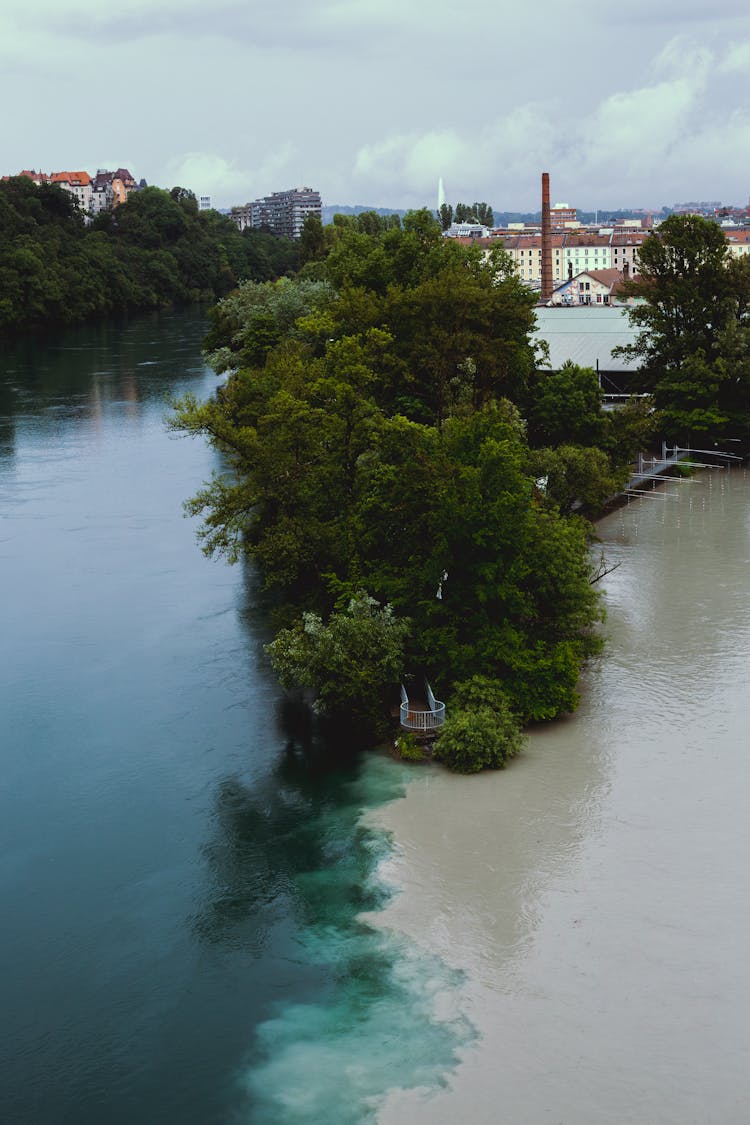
column 77, row 183
column 738, row 242
column 573, row 251
column 283, row 212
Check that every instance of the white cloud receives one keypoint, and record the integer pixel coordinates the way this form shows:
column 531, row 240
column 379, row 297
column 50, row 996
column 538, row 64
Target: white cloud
column 737, row 59
column 207, row 173
column 671, row 136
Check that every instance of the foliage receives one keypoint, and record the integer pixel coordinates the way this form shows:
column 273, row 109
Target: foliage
column 576, row 477
column 445, row 215
column 566, row 406
column 408, row 747
column 371, row 441
column 480, row 730
column 348, row 662
column 694, row 321
column 475, row 213
column 153, row 250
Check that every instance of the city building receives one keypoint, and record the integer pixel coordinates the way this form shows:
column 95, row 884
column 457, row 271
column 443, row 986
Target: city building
column 93, row 194
column 283, row 212
column 77, row 183
column 562, row 216
column 204, row 203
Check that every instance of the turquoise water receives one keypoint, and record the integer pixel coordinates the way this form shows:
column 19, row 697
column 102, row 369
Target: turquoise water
column 182, row 864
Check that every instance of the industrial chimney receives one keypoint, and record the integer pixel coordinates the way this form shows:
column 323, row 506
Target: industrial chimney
column 546, row 240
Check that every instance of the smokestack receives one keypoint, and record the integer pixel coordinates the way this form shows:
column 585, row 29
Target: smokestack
column 546, row 240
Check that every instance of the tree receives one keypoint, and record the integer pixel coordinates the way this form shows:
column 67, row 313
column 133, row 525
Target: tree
column 693, row 315
column 566, row 406
column 474, row 213
column 312, row 243
column 484, row 214
column 347, row 663
column 445, row 215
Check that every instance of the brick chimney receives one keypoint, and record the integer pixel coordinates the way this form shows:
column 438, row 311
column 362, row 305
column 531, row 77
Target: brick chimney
column 546, row 240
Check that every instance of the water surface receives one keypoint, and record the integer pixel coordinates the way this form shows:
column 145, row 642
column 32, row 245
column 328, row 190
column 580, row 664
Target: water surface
column 181, row 868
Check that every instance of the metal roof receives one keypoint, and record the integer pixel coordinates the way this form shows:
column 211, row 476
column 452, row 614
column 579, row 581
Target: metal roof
column 586, row 335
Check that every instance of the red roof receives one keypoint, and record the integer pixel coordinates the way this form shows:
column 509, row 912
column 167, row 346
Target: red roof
column 79, row 179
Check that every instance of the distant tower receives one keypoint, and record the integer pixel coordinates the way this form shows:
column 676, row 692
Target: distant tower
column 546, row 241
column 441, row 193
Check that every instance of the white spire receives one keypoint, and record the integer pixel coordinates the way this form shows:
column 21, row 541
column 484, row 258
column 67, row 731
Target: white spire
column 441, row 193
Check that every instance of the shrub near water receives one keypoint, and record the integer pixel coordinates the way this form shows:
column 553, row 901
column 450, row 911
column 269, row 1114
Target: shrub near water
column 481, row 731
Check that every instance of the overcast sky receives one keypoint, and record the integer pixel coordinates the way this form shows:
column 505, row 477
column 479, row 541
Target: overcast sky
column 626, row 103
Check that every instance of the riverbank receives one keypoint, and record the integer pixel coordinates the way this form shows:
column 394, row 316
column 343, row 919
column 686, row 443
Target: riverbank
column 595, row 894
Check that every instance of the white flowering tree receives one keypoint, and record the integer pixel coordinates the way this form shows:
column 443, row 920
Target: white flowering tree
column 347, row 663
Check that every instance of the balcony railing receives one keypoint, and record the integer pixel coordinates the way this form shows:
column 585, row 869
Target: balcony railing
column 418, row 715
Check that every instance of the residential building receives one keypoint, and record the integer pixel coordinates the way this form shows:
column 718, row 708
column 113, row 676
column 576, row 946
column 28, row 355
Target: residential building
column 586, row 250
column 592, row 287
column 624, row 249
column 204, row 203
column 93, row 194
column 77, row 183
column 283, row 212
column 738, row 242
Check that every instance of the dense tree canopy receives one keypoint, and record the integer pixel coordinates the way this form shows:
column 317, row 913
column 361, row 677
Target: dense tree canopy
column 694, row 344
column 155, row 249
column 373, row 444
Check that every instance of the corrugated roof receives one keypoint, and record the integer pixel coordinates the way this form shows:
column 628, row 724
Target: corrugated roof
column 585, row 334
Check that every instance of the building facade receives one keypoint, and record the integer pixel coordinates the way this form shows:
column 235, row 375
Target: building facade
column 93, row 194
column 283, row 212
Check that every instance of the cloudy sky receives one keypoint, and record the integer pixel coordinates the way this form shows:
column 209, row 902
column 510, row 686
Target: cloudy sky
column 626, row 104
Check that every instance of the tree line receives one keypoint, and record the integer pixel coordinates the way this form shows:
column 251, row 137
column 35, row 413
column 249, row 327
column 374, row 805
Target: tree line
column 151, row 251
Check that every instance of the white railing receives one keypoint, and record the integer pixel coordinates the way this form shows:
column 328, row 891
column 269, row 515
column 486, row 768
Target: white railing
column 414, row 719
column 422, row 720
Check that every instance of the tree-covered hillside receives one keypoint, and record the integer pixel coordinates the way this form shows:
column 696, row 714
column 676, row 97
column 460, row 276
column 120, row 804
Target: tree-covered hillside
column 153, row 250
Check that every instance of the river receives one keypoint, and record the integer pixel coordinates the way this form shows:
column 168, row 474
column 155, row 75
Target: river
column 197, row 921
column 596, row 894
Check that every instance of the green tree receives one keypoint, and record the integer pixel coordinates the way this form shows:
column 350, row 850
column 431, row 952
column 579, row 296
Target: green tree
column 566, row 406
column 692, row 314
column 484, row 214
column 480, row 730
column 312, row 243
column 445, row 215
column 349, row 662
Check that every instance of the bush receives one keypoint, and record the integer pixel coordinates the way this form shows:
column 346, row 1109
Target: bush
column 481, row 731
column 408, row 748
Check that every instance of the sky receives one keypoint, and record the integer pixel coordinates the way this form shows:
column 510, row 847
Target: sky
column 627, row 103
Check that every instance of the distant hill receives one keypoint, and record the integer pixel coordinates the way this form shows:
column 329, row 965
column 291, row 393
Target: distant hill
column 332, row 209
column 502, row 218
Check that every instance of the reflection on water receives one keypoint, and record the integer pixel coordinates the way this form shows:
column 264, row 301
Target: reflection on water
column 181, row 859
